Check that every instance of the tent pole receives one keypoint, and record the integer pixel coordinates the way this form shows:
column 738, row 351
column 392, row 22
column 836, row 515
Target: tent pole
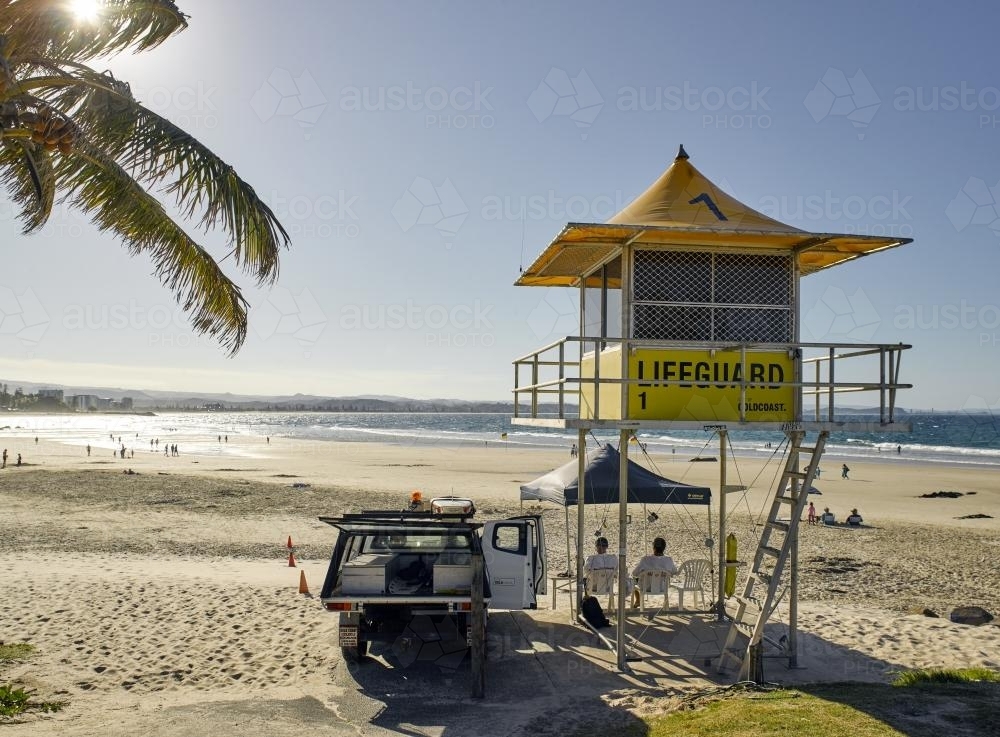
column 569, row 557
column 721, row 604
column 622, row 541
column 645, row 529
column 581, row 476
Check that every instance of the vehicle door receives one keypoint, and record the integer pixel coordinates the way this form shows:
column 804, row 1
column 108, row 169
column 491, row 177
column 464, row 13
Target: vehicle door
column 537, row 538
column 510, row 558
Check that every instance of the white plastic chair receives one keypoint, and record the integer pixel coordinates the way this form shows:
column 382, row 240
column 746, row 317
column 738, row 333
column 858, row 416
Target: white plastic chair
column 691, row 578
column 602, row 581
column 653, row 583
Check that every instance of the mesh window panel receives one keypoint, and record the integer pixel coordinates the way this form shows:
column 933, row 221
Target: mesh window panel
column 669, row 276
column 663, row 322
column 752, row 325
column 744, row 279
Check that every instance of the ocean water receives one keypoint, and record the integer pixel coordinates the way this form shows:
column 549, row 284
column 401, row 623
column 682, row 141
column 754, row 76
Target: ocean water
column 962, row 438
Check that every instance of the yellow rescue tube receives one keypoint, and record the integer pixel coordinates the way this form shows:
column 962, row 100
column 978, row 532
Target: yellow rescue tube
column 730, row 564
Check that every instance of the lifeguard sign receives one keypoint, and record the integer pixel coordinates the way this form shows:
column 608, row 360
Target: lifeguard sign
column 696, row 385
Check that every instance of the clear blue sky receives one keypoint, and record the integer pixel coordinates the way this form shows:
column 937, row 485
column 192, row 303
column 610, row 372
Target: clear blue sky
column 379, row 296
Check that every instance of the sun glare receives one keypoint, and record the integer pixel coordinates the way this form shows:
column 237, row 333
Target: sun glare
column 86, row 10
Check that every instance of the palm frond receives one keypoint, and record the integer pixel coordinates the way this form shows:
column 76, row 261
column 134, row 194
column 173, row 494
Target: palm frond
column 159, row 153
column 98, row 186
column 31, row 183
column 112, row 150
column 49, row 27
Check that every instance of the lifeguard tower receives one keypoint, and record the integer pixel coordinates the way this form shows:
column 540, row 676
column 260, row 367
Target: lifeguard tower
column 689, row 319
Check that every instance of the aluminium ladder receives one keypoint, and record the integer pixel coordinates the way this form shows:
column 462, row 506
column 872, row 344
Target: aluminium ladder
column 755, row 606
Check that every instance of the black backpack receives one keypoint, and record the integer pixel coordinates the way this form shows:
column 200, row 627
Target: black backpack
column 591, row 610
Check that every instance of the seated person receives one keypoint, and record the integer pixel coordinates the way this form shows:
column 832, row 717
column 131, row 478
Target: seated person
column 828, row 517
column 854, row 519
column 655, row 562
column 602, row 560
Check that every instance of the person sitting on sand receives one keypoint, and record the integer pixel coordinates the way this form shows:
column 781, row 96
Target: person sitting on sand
column 854, row 519
column 828, row 517
column 655, row 562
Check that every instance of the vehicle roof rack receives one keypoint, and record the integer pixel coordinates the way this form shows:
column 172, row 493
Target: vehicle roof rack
column 373, row 517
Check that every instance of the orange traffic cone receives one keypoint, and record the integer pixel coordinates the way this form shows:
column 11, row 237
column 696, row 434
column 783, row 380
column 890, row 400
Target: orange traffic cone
column 291, row 560
column 289, row 542
column 303, row 586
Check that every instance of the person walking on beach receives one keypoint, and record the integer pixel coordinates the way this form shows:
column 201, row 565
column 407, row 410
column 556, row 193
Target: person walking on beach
column 88, row 450
column 844, row 470
column 4, row 458
column 812, row 514
column 18, row 459
column 572, row 451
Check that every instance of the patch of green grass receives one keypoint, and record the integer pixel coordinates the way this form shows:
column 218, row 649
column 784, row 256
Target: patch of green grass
column 970, row 708
column 16, row 700
column 11, row 653
column 13, row 700
column 945, row 675
column 770, row 714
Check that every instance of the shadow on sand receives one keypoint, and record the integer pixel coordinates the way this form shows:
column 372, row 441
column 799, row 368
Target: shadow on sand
column 546, row 676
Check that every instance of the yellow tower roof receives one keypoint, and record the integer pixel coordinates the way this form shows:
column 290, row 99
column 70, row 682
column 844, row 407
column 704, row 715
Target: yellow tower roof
column 683, row 208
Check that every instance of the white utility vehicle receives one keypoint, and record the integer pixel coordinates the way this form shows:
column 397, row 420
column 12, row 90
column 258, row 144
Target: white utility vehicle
column 397, row 572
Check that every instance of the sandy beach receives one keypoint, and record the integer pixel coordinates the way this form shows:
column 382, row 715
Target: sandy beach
column 161, row 602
